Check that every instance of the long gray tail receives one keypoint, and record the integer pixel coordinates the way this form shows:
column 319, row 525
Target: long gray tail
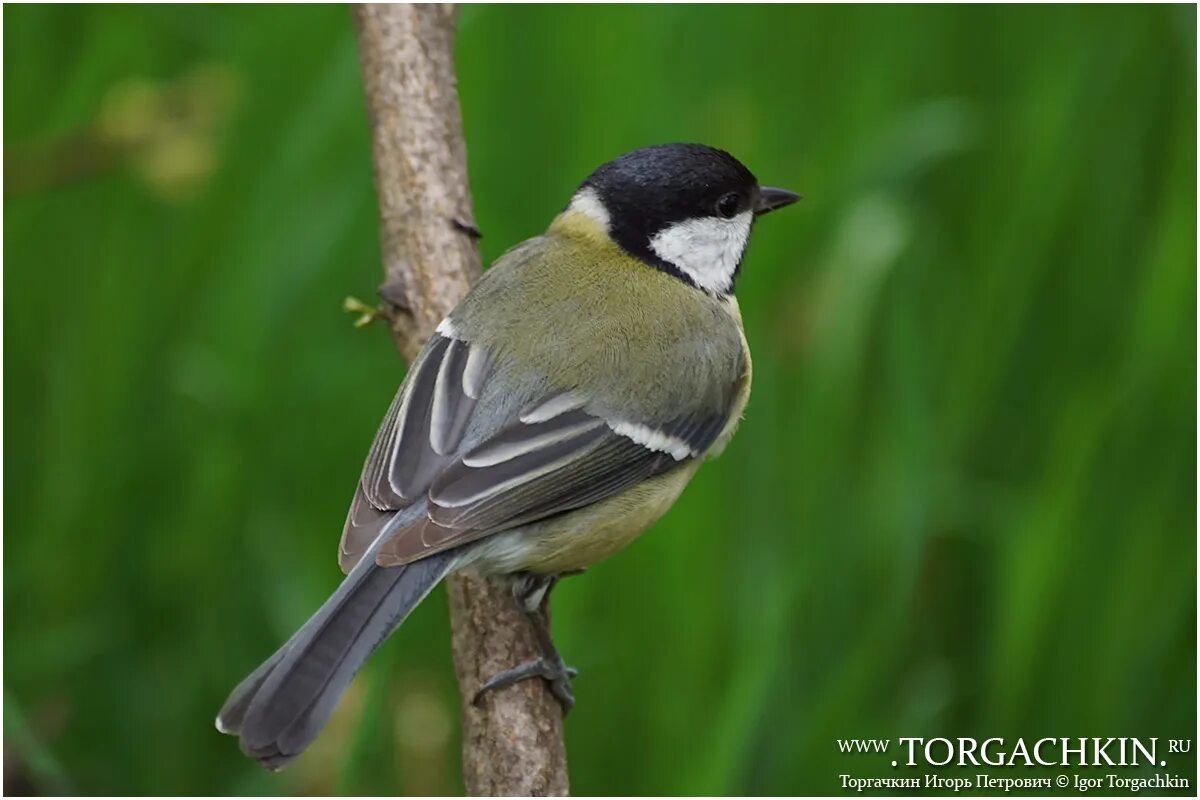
column 281, row 707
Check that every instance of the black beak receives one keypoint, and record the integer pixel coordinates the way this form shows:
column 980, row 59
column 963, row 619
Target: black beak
column 770, row 198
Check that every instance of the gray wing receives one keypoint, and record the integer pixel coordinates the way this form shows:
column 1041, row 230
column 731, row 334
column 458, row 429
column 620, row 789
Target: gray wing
column 552, row 456
column 419, row 437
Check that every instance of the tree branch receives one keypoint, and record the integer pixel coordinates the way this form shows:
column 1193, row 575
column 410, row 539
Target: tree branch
column 512, row 740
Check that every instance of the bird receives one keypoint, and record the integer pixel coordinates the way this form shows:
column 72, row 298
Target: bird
column 556, row 413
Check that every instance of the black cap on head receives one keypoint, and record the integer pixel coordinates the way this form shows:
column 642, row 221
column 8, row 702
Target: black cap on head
column 685, row 209
column 648, row 189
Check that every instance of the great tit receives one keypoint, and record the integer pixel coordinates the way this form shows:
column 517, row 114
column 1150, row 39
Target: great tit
column 557, row 412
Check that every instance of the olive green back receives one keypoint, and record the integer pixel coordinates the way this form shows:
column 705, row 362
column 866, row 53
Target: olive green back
column 572, row 311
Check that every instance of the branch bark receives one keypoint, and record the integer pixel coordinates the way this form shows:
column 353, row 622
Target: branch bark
column 513, row 740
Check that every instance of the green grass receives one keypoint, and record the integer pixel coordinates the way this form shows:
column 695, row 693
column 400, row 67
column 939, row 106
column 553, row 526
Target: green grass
column 962, row 502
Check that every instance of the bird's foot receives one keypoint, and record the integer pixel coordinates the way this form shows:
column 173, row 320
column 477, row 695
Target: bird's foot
column 552, row 669
column 532, row 593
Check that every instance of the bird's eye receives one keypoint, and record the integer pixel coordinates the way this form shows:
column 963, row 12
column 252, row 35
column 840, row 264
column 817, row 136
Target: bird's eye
column 727, row 206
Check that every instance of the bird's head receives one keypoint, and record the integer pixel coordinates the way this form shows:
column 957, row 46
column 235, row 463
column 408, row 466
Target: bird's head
column 686, row 209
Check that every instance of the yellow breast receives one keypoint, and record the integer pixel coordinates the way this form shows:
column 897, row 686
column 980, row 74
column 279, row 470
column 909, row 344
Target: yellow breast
column 579, row 538
column 583, row 537
column 743, row 392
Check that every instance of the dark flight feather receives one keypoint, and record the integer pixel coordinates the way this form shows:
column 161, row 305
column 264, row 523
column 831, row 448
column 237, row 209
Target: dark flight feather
column 282, row 706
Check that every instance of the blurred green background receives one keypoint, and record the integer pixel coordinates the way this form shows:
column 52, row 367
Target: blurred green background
column 962, row 502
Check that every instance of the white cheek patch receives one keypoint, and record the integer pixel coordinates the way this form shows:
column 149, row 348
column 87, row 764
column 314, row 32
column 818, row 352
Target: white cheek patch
column 707, row 250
